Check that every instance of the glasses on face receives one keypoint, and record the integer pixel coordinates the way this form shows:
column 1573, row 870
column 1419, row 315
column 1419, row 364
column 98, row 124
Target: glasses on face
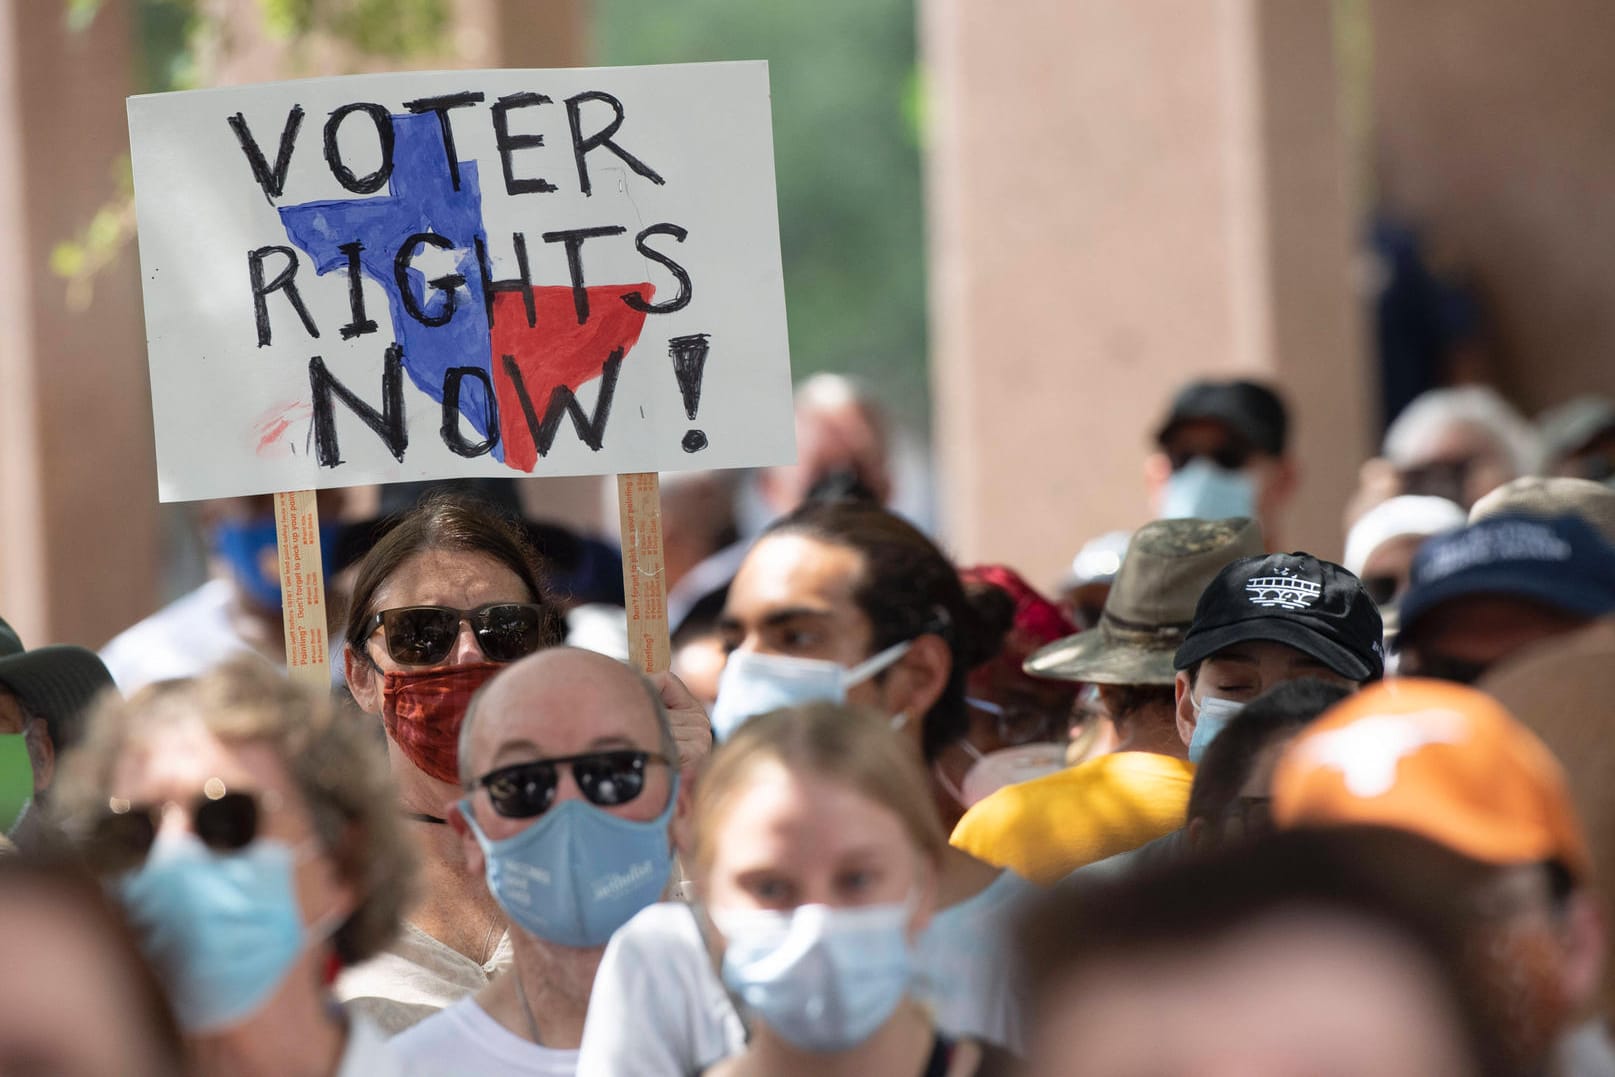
column 1382, row 590
column 226, row 821
column 606, row 779
column 424, row 635
column 1022, row 723
column 1230, row 457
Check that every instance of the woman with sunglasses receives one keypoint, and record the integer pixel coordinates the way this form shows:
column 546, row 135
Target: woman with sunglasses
column 817, row 862
column 837, row 602
column 247, row 828
column 448, row 596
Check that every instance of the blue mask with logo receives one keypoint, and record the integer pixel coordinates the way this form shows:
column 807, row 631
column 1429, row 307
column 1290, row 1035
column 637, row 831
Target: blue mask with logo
column 224, row 928
column 249, row 548
column 1212, row 717
column 1202, row 490
column 579, row 873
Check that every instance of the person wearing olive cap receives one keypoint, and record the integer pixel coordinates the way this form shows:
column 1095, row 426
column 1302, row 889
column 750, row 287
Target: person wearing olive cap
column 1266, row 620
column 44, row 696
column 1448, row 763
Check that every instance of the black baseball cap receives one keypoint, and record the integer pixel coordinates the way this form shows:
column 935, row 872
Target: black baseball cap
column 1315, row 606
column 1250, row 409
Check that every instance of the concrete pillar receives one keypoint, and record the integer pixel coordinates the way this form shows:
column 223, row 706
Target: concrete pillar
column 78, row 489
column 1491, row 121
column 1124, row 196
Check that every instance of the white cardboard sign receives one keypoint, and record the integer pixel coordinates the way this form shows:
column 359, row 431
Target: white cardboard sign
column 393, row 277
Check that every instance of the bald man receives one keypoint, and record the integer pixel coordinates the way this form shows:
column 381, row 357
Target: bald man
column 571, row 784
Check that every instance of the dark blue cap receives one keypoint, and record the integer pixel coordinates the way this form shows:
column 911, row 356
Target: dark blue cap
column 1558, row 561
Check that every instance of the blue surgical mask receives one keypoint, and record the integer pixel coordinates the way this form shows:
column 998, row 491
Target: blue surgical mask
column 1204, row 491
column 224, row 928
column 249, row 548
column 1212, row 716
column 754, row 683
column 578, row 873
column 824, row 979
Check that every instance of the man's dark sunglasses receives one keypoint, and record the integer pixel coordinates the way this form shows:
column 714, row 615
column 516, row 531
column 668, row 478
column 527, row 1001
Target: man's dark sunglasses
column 1230, row 457
column 121, row 838
column 425, row 635
column 607, row 779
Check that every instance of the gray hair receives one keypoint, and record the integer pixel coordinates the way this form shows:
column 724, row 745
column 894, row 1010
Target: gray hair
column 1480, row 406
column 664, row 727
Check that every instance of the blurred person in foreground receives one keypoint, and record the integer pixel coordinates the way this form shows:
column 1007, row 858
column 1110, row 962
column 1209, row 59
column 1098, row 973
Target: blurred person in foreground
column 1485, row 591
column 1223, row 451
column 839, row 602
column 1307, row 953
column 1448, row 763
column 1561, row 690
column 1020, row 725
column 1048, row 827
column 1460, row 444
column 1267, row 620
column 1380, row 547
column 237, row 611
column 817, row 855
column 450, row 595
column 571, row 783
column 248, row 829
column 79, row 997
column 45, row 696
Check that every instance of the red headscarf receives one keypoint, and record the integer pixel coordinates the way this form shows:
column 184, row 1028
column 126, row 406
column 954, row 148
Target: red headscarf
column 1037, row 620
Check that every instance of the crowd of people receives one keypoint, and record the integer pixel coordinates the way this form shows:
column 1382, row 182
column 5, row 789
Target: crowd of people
column 1207, row 806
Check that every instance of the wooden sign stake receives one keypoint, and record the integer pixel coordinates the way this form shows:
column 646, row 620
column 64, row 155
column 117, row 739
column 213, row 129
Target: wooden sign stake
column 644, row 572
column 302, row 588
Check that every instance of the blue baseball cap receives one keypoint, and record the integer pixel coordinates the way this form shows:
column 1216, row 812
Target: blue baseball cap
column 1558, row 561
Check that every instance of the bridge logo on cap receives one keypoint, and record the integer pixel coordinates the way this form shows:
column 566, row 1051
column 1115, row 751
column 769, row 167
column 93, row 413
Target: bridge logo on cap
column 1285, row 591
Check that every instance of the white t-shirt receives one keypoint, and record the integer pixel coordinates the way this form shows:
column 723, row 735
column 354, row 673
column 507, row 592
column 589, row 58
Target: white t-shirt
column 464, row 1041
column 658, row 1008
column 414, row 978
column 368, row 1054
column 188, row 636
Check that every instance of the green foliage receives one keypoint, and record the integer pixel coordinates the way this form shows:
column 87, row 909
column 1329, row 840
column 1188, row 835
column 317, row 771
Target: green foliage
column 847, row 105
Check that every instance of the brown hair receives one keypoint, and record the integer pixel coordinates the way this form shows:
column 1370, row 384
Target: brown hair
column 907, row 588
column 454, row 522
column 828, row 740
column 335, row 763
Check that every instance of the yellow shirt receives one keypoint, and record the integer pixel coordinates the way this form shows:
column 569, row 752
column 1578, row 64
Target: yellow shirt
column 1046, row 828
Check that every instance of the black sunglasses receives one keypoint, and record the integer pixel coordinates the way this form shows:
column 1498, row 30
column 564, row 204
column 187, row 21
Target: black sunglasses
column 226, row 822
column 1230, row 457
column 609, row 778
column 424, row 635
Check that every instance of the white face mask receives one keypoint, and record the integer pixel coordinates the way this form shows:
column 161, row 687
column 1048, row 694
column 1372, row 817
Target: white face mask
column 754, row 683
column 1212, row 715
column 1007, row 766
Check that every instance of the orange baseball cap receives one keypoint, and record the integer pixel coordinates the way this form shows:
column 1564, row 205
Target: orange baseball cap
column 1442, row 760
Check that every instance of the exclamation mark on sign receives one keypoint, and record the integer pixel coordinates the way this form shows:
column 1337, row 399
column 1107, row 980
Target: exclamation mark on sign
column 689, row 363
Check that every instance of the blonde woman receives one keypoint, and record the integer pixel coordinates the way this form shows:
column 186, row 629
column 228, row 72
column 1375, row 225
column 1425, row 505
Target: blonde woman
column 817, row 852
column 253, row 838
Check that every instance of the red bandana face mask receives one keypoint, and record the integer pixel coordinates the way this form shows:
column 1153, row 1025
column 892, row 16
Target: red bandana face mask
column 423, row 712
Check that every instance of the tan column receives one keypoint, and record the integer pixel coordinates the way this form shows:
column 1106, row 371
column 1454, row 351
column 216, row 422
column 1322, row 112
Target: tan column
column 78, row 490
column 1124, row 196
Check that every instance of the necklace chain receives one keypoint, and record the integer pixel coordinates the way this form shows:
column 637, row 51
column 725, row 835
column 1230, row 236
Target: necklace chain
column 527, row 1011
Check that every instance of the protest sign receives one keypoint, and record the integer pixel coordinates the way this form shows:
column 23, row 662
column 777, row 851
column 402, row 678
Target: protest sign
column 399, row 277
column 420, row 276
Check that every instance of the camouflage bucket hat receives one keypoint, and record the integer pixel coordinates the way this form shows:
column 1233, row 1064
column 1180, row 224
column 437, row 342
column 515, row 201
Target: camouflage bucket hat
column 1151, row 603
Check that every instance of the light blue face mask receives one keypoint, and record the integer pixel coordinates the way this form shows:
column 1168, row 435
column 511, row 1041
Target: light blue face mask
column 1204, row 491
column 754, row 683
column 824, row 979
column 224, row 928
column 1212, row 716
column 578, row 873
